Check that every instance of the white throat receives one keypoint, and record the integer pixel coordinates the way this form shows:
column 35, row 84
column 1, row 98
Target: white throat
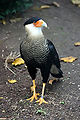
column 33, row 31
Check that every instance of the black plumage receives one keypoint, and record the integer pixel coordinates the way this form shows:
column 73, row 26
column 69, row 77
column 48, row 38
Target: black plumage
column 39, row 52
column 33, row 19
column 43, row 55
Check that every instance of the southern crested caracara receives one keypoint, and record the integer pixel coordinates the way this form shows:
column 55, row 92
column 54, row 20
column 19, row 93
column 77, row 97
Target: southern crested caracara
column 39, row 52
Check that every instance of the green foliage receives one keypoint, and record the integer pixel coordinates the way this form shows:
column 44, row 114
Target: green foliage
column 40, row 111
column 9, row 7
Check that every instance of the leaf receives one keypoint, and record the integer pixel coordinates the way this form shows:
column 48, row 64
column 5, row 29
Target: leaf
column 3, row 22
column 41, row 112
column 15, row 20
column 69, row 59
column 56, row 4
column 77, row 44
column 54, row 79
column 3, row 118
column 13, row 11
column 50, row 82
column 18, row 61
column 1, row 98
column 12, row 81
column 62, row 102
column 44, row 6
column 76, row 2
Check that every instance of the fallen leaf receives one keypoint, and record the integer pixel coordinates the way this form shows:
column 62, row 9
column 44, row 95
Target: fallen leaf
column 18, row 61
column 15, row 20
column 41, row 112
column 3, row 22
column 50, row 82
column 76, row 2
column 56, row 4
column 54, row 79
column 44, row 6
column 1, row 98
column 11, row 57
column 62, row 102
column 69, row 59
column 12, row 81
column 79, row 5
column 77, row 44
column 3, row 118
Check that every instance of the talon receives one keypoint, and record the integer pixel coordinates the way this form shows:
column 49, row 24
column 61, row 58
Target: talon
column 33, row 97
column 34, row 92
column 41, row 100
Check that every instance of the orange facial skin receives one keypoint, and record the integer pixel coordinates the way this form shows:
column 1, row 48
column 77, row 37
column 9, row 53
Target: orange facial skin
column 38, row 23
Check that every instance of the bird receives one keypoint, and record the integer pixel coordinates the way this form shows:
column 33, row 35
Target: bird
column 39, row 53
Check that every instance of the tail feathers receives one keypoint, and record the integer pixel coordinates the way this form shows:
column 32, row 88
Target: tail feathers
column 56, row 72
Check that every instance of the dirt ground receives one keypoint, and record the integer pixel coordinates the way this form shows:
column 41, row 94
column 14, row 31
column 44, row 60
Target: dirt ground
column 64, row 96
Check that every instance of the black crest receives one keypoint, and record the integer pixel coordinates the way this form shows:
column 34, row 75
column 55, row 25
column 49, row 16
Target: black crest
column 31, row 20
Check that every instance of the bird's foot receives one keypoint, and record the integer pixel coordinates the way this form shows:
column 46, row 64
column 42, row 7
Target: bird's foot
column 33, row 97
column 41, row 100
column 32, row 88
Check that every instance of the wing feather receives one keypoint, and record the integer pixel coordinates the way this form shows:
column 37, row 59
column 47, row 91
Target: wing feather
column 53, row 53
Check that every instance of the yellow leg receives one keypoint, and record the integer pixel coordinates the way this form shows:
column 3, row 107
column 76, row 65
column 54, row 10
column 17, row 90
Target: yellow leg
column 41, row 100
column 34, row 92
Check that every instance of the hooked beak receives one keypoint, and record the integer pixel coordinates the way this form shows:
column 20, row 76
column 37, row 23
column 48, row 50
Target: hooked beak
column 40, row 23
column 44, row 24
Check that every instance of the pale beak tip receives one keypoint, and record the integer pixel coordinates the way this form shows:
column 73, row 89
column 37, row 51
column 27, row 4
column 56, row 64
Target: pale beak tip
column 45, row 24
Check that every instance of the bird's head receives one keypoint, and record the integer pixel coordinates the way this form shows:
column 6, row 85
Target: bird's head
column 34, row 26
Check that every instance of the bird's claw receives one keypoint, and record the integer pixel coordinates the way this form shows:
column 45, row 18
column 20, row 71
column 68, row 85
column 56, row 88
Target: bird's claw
column 33, row 97
column 41, row 100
